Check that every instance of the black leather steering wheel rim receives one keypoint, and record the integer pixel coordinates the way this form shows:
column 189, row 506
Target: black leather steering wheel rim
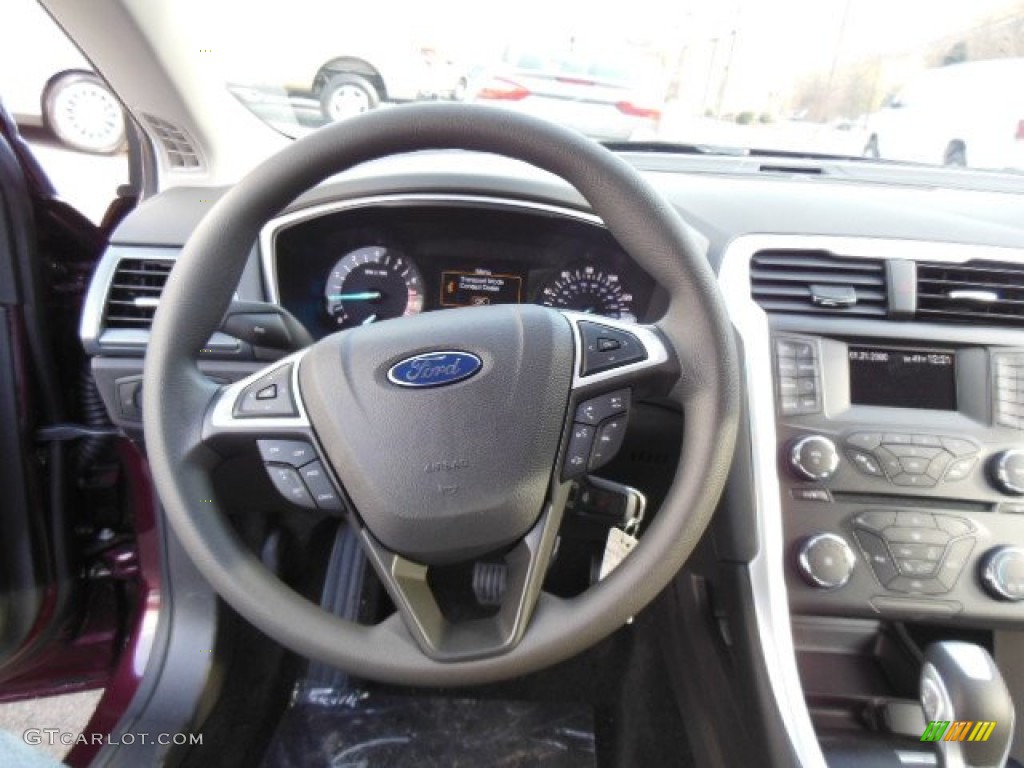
column 200, row 289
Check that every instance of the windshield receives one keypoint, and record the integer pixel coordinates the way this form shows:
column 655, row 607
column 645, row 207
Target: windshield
column 923, row 81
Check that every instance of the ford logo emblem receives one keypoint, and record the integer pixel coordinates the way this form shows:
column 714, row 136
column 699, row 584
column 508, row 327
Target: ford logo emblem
column 434, row 369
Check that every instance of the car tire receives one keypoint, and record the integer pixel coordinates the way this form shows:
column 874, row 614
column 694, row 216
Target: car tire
column 871, row 148
column 346, row 95
column 955, row 155
column 84, row 114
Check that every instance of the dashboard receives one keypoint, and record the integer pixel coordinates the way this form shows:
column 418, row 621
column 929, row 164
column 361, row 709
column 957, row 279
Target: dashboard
column 337, row 266
column 884, row 403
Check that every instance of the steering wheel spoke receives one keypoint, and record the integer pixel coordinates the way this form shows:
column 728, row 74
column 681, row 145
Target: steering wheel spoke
column 444, row 639
column 265, row 412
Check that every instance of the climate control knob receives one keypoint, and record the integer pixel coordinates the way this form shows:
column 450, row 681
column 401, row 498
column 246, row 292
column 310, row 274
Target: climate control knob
column 825, row 561
column 1002, row 573
column 813, row 458
column 1007, row 471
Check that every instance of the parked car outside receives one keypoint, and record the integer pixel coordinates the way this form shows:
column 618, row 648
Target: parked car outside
column 606, row 94
column 969, row 114
column 55, row 86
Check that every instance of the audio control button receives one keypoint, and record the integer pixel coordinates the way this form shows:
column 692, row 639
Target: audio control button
column 954, row 562
column 916, row 535
column 865, row 463
column 866, row 441
column 914, row 481
column 917, row 586
column 877, row 555
column 938, row 465
column 915, row 520
column 875, row 519
column 958, row 446
column 954, row 526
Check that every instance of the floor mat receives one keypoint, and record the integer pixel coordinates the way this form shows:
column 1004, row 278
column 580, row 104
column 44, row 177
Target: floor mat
column 370, row 730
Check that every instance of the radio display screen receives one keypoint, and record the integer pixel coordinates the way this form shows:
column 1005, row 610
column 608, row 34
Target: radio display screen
column 903, row 378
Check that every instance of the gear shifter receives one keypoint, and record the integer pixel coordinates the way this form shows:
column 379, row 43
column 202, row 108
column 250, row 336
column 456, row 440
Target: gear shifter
column 961, row 687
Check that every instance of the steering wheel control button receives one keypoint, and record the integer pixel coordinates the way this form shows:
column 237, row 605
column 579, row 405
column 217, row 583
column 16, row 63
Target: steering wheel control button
column 577, row 457
column 605, row 348
column 320, row 487
column 1007, row 472
column 270, row 395
column 826, row 561
column 597, row 409
column 608, row 441
column 814, row 458
column 290, row 485
column 296, row 453
column 1002, row 573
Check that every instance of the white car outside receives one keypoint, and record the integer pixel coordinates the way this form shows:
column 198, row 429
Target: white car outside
column 45, row 81
column 969, row 114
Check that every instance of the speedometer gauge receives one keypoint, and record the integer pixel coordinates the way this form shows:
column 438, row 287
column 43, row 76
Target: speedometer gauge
column 370, row 284
column 589, row 289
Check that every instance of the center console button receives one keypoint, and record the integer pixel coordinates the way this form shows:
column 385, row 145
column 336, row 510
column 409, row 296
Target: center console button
column 914, row 466
column 954, row 526
column 916, row 567
column 933, row 441
column 913, row 451
column 930, row 552
column 866, row 441
column 866, row 463
column 958, row 446
column 955, row 561
column 917, row 586
column 896, row 438
column 915, row 520
column 877, row 555
column 875, row 519
column 814, row 457
column 937, row 466
column 959, row 469
column 914, row 481
column 889, row 463
column 916, row 535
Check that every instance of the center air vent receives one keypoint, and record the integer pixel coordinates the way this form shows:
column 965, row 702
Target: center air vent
column 135, row 292
column 975, row 292
column 816, row 282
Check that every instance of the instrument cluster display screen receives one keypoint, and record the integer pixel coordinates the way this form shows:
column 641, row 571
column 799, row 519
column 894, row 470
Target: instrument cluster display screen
column 903, row 378
column 474, row 288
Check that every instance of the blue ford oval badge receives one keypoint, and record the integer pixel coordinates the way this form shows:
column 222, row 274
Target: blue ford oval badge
column 434, row 369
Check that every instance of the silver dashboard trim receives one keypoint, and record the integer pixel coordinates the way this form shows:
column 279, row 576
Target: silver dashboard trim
column 269, row 232
column 768, row 582
column 657, row 353
column 222, row 415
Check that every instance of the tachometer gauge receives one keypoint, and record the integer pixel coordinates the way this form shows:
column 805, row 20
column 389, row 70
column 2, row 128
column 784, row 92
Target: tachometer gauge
column 589, row 289
column 370, row 284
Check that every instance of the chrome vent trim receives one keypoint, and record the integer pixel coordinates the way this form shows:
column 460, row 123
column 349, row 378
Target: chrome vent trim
column 810, row 282
column 973, row 292
column 178, row 148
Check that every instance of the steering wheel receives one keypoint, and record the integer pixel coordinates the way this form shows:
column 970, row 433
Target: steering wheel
column 478, row 462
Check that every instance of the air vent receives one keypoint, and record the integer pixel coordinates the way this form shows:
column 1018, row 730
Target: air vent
column 816, row 282
column 177, row 145
column 135, row 292
column 976, row 292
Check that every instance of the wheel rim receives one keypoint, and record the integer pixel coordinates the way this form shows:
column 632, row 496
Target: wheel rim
column 348, row 100
column 86, row 115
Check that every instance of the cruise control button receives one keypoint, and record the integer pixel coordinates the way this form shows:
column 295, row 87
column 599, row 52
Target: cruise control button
column 608, row 441
column 597, row 409
column 597, row 356
column 866, row 441
column 270, row 395
column 289, row 485
column 578, row 454
column 320, row 487
column 293, row 452
column 959, row 469
column 915, row 535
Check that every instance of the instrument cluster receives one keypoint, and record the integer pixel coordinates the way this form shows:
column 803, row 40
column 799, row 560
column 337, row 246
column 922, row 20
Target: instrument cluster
column 365, row 265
